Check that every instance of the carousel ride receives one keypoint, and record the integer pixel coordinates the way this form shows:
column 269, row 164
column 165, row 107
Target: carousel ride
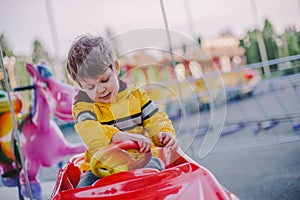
column 42, row 143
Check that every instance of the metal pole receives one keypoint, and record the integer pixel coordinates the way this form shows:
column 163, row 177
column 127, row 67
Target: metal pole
column 15, row 133
column 189, row 17
column 298, row 2
column 59, row 70
column 172, row 57
column 261, row 43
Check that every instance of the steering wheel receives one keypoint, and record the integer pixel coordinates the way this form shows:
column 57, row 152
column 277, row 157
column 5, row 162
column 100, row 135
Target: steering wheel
column 114, row 158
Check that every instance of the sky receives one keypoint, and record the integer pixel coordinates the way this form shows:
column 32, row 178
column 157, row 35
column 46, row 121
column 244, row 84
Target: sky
column 22, row 21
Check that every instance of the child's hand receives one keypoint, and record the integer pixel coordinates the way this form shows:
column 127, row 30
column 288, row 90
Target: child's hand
column 168, row 140
column 144, row 142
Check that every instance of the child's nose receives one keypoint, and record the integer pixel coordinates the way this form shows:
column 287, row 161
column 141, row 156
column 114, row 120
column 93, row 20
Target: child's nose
column 101, row 88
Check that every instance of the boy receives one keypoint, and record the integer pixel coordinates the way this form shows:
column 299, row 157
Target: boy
column 108, row 110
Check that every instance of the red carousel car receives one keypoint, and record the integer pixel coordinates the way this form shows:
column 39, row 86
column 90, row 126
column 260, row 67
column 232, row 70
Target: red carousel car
column 120, row 166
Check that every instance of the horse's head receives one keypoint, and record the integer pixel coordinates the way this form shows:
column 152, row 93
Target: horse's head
column 55, row 91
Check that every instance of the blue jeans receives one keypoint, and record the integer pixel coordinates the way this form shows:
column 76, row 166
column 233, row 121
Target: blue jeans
column 89, row 178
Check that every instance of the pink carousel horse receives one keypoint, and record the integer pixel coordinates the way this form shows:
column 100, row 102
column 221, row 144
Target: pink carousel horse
column 42, row 142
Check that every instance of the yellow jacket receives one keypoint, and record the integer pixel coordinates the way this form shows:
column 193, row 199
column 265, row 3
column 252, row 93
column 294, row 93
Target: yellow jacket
column 131, row 111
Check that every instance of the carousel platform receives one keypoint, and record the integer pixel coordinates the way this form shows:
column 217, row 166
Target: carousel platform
column 7, row 193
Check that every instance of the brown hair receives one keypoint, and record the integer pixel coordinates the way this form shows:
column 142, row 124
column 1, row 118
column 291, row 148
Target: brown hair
column 88, row 57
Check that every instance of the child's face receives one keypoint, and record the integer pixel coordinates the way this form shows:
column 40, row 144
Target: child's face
column 105, row 88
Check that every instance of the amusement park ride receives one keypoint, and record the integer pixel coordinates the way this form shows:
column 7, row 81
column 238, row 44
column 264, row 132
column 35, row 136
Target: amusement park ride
column 42, row 144
column 41, row 141
column 181, row 179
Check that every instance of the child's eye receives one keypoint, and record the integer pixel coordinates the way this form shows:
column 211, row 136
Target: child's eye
column 91, row 87
column 105, row 80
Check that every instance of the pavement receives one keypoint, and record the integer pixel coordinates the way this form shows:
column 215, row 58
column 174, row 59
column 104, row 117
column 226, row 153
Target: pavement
column 260, row 166
column 258, row 170
column 12, row 193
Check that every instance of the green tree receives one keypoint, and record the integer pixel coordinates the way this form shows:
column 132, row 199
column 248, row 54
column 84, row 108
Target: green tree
column 5, row 46
column 291, row 45
column 290, row 36
column 250, row 43
column 269, row 37
column 298, row 37
column 7, row 51
column 39, row 53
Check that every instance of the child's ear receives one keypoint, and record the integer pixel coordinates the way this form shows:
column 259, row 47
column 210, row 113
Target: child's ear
column 117, row 67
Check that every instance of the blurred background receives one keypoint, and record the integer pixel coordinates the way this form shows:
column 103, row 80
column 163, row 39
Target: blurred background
column 239, row 60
